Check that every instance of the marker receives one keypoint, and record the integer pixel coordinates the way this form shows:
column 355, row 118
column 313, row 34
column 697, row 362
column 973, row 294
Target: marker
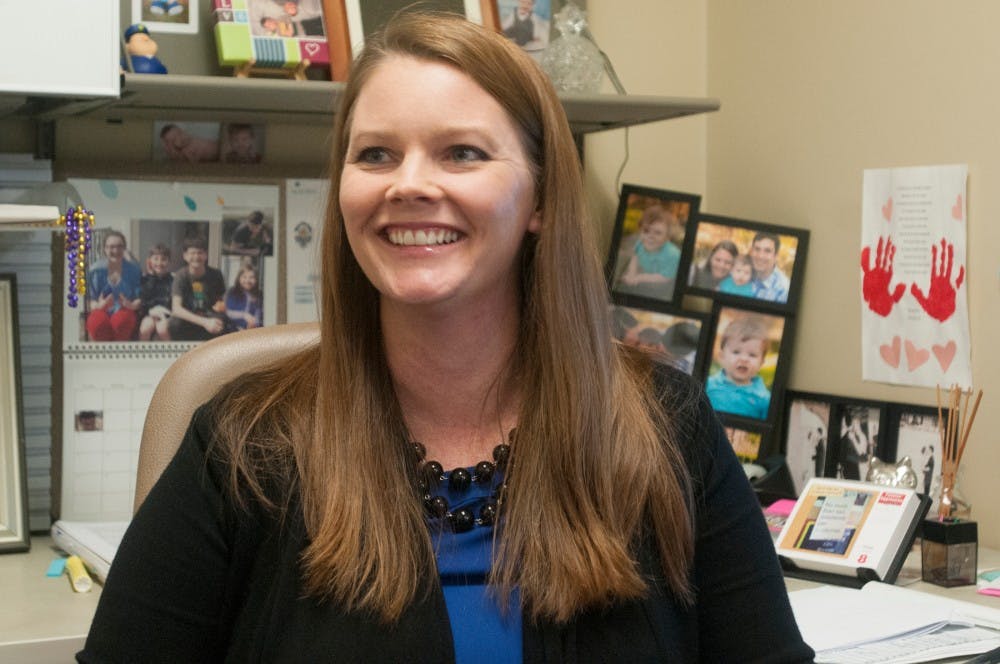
column 78, row 577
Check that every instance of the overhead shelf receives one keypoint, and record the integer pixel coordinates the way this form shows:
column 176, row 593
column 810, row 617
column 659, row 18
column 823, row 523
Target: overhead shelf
column 218, row 98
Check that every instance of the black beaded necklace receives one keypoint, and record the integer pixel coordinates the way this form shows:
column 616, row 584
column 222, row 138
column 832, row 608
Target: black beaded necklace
column 430, row 474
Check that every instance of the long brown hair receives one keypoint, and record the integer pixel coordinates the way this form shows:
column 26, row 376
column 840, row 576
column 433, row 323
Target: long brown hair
column 594, row 465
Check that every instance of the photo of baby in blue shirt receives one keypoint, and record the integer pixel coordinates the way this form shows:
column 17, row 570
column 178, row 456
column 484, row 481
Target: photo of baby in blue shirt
column 737, row 387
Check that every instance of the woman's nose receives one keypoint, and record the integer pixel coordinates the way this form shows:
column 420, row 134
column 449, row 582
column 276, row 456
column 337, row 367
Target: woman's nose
column 414, row 180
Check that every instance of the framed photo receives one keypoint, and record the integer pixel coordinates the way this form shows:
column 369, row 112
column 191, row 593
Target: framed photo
column 806, row 427
column 913, row 432
column 857, row 435
column 272, row 34
column 650, row 230
column 167, row 15
column 749, row 360
column 177, row 262
column 185, row 142
column 13, row 474
column 672, row 337
column 738, row 261
column 748, row 438
column 528, row 23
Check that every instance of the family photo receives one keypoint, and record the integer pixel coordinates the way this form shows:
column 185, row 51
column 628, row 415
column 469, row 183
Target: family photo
column 746, row 260
column 172, row 282
column 745, row 354
column 646, row 246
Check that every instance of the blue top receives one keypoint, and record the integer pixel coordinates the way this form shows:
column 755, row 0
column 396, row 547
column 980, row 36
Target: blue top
column 240, row 302
column 663, row 261
column 773, row 289
column 128, row 285
column 480, row 632
column 750, row 400
column 727, row 285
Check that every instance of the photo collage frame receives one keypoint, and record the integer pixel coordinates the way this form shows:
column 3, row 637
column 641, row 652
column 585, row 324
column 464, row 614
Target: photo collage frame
column 664, row 250
column 826, row 435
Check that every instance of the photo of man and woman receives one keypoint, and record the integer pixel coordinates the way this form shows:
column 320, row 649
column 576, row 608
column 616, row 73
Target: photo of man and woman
column 647, row 241
column 857, row 440
column 746, row 259
column 806, row 438
column 745, row 354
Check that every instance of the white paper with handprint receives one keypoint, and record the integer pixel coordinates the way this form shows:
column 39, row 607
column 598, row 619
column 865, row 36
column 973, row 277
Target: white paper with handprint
column 914, row 308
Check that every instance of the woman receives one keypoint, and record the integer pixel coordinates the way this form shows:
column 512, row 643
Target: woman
column 114, row 282
column 463, row 298
column 716, row 267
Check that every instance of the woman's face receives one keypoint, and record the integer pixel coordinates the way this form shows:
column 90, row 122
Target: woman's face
column 720, row 263
column 114, row 248
column 436, row 191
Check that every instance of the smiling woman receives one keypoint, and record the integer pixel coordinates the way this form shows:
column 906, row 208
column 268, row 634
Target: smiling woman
column 465, row 326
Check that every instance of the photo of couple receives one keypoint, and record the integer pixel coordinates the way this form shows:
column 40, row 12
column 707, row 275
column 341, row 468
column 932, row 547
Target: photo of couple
column 745, row 261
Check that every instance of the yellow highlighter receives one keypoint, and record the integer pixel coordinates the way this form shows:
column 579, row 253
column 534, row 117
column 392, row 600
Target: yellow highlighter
column 78, row 576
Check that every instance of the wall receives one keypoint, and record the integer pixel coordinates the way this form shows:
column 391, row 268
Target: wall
column 657, row 48
column 812, row 94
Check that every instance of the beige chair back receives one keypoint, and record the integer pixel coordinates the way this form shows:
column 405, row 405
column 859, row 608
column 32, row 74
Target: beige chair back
column 196, row 376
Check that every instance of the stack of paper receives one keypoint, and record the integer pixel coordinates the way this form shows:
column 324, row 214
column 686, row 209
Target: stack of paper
column 888, row 624
column 94, row 541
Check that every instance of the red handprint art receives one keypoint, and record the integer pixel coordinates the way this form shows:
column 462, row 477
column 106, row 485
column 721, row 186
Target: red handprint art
column 939, row 302
column 878, row 277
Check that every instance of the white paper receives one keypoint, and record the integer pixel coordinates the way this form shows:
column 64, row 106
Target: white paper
column 305, row 205
column 915, row 318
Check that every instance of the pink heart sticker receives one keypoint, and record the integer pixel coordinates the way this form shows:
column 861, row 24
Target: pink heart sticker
column 915, row 357
column 944, row 354
column 890, row 353
column 311, row 47
column 956, row 209
column 887, row 210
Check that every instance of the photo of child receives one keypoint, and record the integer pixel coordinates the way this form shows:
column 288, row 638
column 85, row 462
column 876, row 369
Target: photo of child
column 646, row 247
column 743, row 362
column 737, row 282
column 197, row 311
column 188, row 142
column 154, row 291
column 244, row 305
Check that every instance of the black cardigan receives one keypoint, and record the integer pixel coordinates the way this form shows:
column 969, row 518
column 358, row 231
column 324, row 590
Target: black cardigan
column 197, row 580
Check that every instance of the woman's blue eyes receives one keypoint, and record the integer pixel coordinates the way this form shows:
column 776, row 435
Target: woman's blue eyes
column 458, row 153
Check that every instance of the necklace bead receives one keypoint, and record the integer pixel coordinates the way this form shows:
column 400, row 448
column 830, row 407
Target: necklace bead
column 430, row 475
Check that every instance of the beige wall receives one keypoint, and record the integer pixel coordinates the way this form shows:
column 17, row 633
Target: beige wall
column 812, row 94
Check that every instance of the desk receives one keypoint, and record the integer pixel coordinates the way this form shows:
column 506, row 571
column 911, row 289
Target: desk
column 986, row 559
column 41, row 618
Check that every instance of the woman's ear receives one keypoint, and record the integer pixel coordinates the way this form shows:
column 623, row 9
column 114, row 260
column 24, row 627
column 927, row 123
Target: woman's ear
column 535, row 223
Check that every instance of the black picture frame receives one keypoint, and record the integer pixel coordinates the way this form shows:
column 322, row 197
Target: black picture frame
column 806, row 423
column 910, row 430
column 671, row 335
column 857, row 433
column 709, row 236
column 778, row 330
column 639, row 205
column 751, row 439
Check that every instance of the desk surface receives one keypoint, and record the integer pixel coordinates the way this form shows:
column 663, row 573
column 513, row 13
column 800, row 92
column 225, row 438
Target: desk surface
column 43, row 620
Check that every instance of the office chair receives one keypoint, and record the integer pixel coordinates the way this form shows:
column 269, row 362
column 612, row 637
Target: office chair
column 195, row 377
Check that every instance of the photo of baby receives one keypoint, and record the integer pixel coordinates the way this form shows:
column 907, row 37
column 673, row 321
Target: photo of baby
column 646, row 247
column 746, row 349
